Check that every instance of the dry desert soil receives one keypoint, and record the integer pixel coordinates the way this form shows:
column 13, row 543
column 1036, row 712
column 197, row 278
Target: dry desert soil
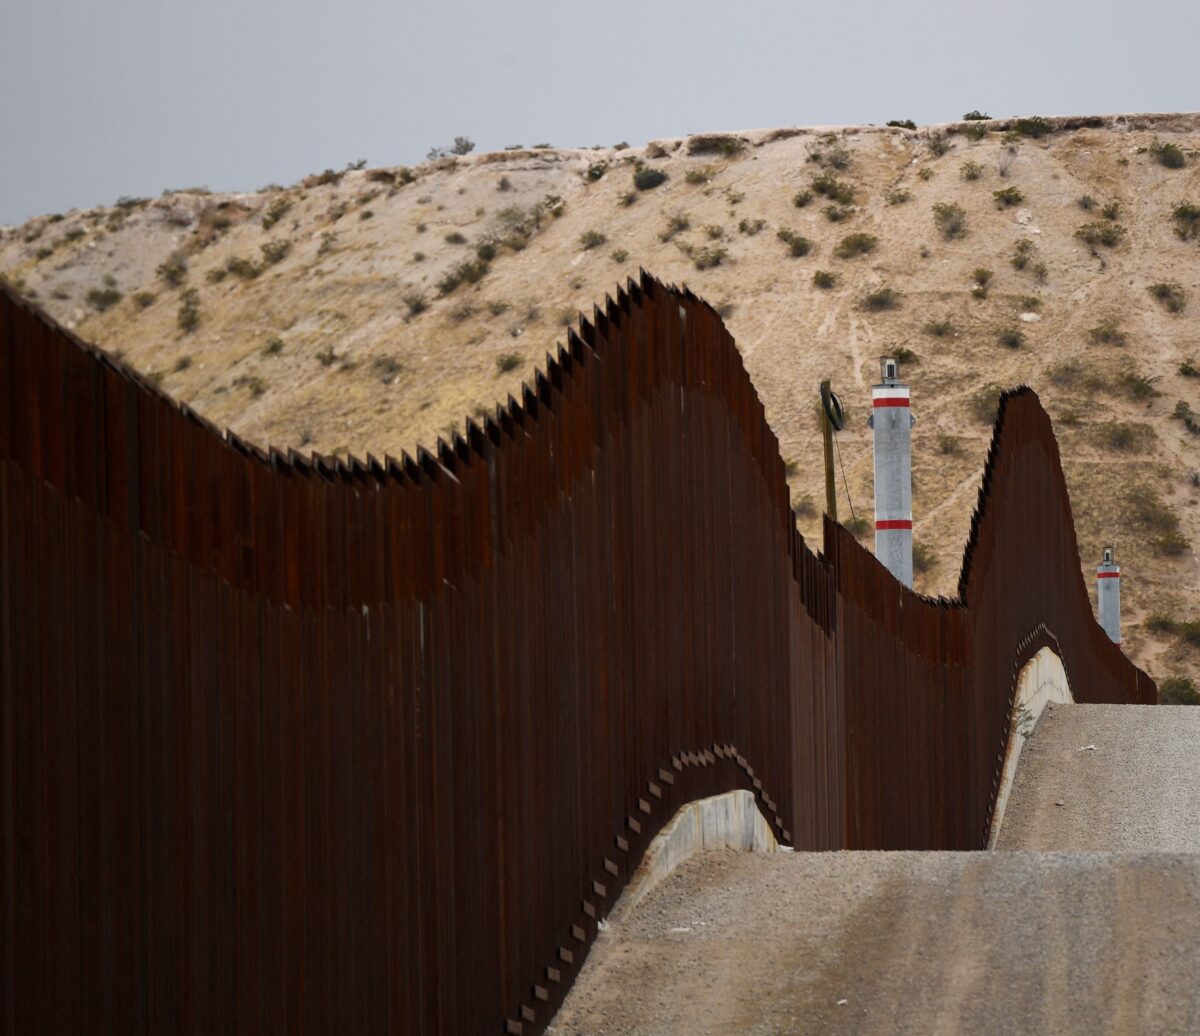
column 373, row 309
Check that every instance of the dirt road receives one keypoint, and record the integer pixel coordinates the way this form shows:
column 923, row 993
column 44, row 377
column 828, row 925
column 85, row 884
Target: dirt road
column 1002, row 942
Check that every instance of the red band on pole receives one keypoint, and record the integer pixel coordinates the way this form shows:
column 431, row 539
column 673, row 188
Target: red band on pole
column 894, row 523
column 1108, row 575
column 890, row 402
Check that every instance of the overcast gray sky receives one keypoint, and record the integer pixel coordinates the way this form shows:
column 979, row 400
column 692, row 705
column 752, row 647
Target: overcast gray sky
column 131, row 97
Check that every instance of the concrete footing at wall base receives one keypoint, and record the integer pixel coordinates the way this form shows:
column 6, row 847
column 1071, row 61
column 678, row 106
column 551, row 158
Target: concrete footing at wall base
column 1041, row 682
column 729, row 821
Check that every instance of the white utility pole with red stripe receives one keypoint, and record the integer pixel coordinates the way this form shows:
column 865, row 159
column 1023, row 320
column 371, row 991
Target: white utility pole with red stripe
column 1108, row 595
column 892, row 421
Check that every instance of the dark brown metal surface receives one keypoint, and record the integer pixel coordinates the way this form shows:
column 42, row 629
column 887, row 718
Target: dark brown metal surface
column 311, row 745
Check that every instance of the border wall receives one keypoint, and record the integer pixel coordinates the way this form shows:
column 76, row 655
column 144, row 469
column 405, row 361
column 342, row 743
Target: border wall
column 301, row 744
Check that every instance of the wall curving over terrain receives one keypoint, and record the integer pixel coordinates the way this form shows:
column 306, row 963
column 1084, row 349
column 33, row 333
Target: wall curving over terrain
column 294, row 744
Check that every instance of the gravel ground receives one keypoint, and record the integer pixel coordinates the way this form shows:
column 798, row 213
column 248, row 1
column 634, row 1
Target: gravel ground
column 902, row 943
column 1137, row 787
column 1064, row 939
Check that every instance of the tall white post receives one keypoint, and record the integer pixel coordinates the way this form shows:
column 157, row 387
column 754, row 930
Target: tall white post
column 1108, row 595
column 892, row 421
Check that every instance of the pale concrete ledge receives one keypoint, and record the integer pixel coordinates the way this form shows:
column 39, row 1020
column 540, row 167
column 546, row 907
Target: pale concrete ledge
column 1042, row 682
column 729, row 821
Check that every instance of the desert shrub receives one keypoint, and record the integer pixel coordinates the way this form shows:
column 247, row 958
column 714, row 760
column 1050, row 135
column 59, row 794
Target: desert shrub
column 327, row 357
column 898, row 196
column 824, row 280
column 1188, row 368
column 1111, row 211
column 1034, row 126
column 923, row 558
column 975, row 115
column 837, row 213
column 949, row 445
column 951, row 219
column 804, row 506
column 938, row 327
column 276, row 211
column 938, row 143
column 1007, row 197
column 469, row 271
column 974, row 132
column 857, row 526
column 1170, row 294
column 1187, row 220
column 1086, row 202
column 486, row 249
column 1136, row 386
column 504, row 184
column 708, row 257
column 802, row 198
column 970, row 171
column 328, row 240
column 590, row 239
column 216, row 275
column 189, row 311
column 173, row 269
column 831, row 155
column 648, row 179
column 243, row 268
column 798, row 244
column 455, row 238
column 620, row 255
column 1107, row 234
column 182, row 364
column 144, row 299
column 984, row 403
column 829, row 186
column 714, row 232
column 1022, row 254
column 1120, row 435
column 101, row 299
column 854, row 245
column 464, row 311
column 925, row 173
column 251, row 383
column 750, row 227
column 902, row 123
column 1075, row 375
column 1177, row 690
column 386, row 368
column 677, row 223
column 596, row 171
column 1148, row 512
column 275, row 251
column 1172, row 544
column 506, row 362
column 1011, row 337
column 274, row 347
column 329, row 176
column 1168, row 155
column 982, row 276
column 415, row 302
column 880, row 299
column 1030, row 302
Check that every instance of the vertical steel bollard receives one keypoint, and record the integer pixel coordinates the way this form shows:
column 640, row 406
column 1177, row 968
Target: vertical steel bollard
column 1108, row 595
column 891, row 420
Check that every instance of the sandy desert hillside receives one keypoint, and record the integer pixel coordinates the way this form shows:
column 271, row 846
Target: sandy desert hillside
column 372, row 309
